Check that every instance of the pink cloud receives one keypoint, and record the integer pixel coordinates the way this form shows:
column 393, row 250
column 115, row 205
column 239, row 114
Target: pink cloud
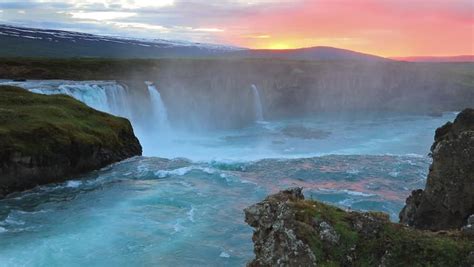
column 384, row 27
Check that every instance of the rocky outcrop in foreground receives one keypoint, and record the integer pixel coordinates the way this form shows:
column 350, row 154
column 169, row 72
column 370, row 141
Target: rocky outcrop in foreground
column 292, row 231
column 45, row 139
column 448, row 199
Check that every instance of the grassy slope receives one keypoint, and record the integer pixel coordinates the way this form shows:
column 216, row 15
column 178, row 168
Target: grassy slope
column 35, row 124
column 402, row 246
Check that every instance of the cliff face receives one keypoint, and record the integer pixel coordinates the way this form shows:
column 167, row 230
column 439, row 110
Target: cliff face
column 448, row 199
column 291, row 231
column 46, row 139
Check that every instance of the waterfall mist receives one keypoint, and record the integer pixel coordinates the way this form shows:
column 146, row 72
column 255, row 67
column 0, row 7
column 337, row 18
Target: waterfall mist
column 200, row 102
column 257, row 103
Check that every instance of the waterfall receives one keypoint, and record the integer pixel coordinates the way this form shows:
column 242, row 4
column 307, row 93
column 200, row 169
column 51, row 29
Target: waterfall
column 257, row 103
column 158, row 109
column 106, row 96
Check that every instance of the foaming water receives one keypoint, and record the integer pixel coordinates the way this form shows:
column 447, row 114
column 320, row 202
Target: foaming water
column 114, row 98
column 151, row 211
column 322, row 134
column 158, row 108
column 182, row 205
column 309, row 137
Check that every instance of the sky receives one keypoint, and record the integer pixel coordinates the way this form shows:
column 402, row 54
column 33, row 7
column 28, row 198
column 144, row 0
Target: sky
column 383, row 27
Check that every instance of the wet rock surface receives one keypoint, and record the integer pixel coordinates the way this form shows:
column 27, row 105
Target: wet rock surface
column 448, row 199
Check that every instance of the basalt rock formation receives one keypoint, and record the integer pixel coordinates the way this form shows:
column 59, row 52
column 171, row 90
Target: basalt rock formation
column 448, row 199
column 45, row 139
column 292, row 231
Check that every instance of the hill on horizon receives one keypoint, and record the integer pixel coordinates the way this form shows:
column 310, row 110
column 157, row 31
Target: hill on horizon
column 308, row 53
column 32, row 42
column 460, row 58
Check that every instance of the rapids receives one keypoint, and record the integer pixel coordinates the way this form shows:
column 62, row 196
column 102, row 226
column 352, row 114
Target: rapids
column 181, row 204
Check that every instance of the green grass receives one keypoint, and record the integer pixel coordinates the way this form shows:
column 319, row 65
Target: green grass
column 402, row 246
column 33, row 124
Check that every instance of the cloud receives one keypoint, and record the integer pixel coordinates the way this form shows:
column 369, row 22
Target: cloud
column 101, row 15
column 261, row 36
column 142, row 26
column 122, row 4
column 207, row 30
column 384, row 27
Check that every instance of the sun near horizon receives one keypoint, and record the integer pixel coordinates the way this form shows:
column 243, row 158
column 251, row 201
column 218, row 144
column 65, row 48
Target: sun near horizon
column 389, row 28
column 279, row 46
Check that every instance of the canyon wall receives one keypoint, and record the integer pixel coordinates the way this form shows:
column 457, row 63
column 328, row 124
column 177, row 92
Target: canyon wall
column 209, row 94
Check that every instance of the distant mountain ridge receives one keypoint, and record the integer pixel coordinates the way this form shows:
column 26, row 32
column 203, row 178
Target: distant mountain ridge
column 309, row 53
column 461, row 58
column 32, row 42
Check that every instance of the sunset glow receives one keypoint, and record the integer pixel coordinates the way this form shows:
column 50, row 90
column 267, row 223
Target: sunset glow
column 382, row 27
column 277, row 46
column 387, row 28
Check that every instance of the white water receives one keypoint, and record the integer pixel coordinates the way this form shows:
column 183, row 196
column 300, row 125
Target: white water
column 257, row 103
column 159, row 112
column 114, row 98
column 390, row 134
column 150, row 211
column 106, row 96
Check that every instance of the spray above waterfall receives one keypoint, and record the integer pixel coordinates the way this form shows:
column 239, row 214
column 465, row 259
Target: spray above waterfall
column 257, row 104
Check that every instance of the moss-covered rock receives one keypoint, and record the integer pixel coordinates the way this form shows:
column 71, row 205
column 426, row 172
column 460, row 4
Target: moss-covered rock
column 292, row 231
column 47, row 139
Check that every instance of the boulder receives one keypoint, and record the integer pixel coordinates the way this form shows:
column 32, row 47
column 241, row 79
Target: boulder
column 276, row 242
column 292, row 231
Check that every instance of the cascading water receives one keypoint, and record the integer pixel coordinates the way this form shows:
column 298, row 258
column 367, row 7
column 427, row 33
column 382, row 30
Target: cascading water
column 106, row 96
column 114, row 98
column 159, row 112
column 154, row 210
column 257, row 103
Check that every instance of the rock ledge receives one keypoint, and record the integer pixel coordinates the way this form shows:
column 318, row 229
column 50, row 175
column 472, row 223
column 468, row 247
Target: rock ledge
column 46, row 139
column 292, row 231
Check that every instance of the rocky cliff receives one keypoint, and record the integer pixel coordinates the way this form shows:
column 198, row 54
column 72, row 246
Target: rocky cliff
column 448, row 199
column 292, row 231
column 46, row 139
